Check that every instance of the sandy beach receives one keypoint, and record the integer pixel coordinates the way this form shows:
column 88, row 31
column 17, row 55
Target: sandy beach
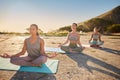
column 91, row 64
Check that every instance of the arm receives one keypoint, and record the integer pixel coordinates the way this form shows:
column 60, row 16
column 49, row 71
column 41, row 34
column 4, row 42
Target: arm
column 91, row 37
column 99, row 37
column 65, row 41
column 5, row 55
column 79, row 43
column 42, row 51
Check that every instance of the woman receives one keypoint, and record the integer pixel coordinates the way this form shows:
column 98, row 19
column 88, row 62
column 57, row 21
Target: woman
column 95, row 40
column 34, row 45
column 74, row 38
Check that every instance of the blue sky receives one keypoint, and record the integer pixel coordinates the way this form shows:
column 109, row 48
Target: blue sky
column 17, row 15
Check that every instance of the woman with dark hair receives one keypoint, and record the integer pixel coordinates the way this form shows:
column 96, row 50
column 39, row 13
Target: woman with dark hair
column 34, row 45
column 74, row 38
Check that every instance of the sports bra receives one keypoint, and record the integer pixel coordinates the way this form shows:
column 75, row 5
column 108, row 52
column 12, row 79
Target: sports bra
column 95, row 36
column 72, row 37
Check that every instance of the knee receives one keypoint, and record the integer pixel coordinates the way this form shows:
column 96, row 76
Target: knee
column 64, row 48
column 61, row 47
column 101, row 43
column 13, row 60
column 40, row 60
column 44, row 59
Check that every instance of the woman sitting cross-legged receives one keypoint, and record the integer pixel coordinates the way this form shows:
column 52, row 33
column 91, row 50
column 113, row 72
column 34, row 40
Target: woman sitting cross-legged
column 34, row 45
column 95, row 40
column 74, row 39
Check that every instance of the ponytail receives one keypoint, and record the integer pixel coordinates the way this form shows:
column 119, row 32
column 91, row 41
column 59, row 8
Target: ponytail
column 37, row 34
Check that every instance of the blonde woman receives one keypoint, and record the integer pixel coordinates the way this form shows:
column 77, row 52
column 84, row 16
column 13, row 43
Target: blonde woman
column 95, row 40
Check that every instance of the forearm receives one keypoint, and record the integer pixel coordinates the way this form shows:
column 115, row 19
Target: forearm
column 90, row 39
column 79, row 44
column 18, row 54
column 65, row 43
column 99, row 38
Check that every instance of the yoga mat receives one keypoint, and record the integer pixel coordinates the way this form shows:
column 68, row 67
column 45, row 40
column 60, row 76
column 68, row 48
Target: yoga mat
column 49, row 67
column 54, row 49
column 6, row 65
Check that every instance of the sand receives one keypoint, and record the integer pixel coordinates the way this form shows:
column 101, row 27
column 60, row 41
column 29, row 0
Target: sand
column 91, row 64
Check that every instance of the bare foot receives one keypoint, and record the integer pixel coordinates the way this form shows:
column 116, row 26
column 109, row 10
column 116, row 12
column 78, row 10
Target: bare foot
column 53, row 55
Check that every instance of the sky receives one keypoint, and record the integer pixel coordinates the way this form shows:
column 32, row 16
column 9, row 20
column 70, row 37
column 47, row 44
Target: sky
column 17, row 15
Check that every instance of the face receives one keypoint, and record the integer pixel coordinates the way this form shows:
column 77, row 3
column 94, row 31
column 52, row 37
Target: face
column 73, row 27
column 33, row 30
column 95, row 30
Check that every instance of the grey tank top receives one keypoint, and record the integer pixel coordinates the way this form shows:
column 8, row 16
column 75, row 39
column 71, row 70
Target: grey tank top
column 33, row 50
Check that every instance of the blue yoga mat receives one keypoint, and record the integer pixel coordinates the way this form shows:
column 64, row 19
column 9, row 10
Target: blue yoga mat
column 49, row 67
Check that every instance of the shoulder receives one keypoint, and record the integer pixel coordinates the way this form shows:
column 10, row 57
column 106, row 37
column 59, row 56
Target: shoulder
column 41, row 40
column 98, row 33
column 26, row 40
column 77, row 33
column 93, row 33
column 69, row 33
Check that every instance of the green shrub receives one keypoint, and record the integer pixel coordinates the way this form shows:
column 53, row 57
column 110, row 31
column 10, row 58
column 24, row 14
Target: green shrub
column 66, row 28
column 56, row 33
column 115, row 28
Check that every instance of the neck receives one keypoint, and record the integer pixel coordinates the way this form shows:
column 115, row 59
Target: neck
column 33, row 36
column 73, row 31
column 95, row 32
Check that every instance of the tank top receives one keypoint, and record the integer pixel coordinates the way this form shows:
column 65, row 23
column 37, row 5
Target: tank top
column 95, row 36
column 72, row 37
column 33, row 50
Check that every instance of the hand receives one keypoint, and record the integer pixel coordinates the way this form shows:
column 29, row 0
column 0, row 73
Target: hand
column 5, row 55
column 89, row 41
column 80, row 45
column 83, row 47
column 53, row 55
column 59, row 45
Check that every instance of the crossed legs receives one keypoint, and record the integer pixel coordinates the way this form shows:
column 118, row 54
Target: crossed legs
column 28, row 61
